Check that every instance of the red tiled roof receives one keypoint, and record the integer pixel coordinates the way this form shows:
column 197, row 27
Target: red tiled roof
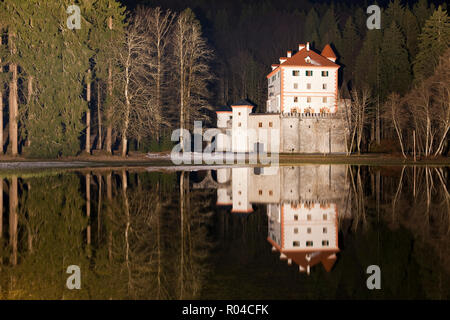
column 327, row 52
column 298, row 59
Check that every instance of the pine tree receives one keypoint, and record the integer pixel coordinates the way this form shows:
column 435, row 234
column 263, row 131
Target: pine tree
column 311, row 27
column 107, row 33
column 395, row 67
column 349, row 48
column 422, row 12
column 329, row 30
column 433, row 41
column 54, row 113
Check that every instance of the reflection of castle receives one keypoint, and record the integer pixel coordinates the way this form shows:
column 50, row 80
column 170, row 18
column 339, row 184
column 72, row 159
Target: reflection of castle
column 304, row 205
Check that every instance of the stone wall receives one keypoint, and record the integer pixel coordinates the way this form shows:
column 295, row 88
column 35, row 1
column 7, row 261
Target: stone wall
column 312, row 135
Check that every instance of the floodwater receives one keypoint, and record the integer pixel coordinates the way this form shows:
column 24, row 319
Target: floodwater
column 302, row 232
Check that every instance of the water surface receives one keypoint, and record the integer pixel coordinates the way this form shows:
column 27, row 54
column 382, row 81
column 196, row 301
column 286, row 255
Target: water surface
column 289, row 232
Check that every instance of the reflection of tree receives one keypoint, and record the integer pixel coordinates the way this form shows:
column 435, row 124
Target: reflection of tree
column 142, row 248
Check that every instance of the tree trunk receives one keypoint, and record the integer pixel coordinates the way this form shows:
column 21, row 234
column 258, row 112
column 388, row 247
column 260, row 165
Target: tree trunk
column 13, row 101
column 99, row 117
column 110, row 91
column 1, row 110
column 109, row 204
column 30, row 94
column 127, row 111
column 108, row 142
column 1, row 211
column 88, row 208
column 13, row 219
column 88, row 113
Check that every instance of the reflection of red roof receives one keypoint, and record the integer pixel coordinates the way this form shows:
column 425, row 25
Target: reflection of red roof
column 317, row 60
column 327, row 52
column 299, row 257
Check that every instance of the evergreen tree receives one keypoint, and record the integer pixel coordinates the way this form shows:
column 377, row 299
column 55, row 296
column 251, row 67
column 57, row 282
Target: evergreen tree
column 311, row 27
column 368, row 61
column 329, row 30
column 107, row 33
column 395, row 67
column 349, row 48
column 422, row 12
column 433, row 41
column 394, row 13
column 411, row 31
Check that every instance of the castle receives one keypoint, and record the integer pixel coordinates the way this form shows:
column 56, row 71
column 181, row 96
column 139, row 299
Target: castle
column 301, row 111
column 304, row 206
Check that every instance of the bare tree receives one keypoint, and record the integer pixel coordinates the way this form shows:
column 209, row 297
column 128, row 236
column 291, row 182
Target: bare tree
column 132, row 56
column 395, row 113
column 441, row 79
column 148, row 115
column 355, row 116
column 192, row 70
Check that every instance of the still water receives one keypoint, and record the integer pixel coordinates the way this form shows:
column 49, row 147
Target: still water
column 301, row 232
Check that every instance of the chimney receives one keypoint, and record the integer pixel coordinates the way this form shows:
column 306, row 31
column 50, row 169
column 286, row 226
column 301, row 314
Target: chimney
column 300, row 47
column 307, row 46
column 289, row 54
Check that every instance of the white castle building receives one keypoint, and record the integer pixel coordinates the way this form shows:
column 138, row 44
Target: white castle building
column 302, row 110
column 304, row 207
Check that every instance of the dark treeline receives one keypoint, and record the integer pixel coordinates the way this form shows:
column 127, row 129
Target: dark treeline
column 132, row 74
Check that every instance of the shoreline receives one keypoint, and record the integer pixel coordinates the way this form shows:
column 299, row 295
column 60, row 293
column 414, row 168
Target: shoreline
column 163, row 160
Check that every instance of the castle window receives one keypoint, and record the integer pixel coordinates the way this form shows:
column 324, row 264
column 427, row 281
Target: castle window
column 270, row 124
column 239, row 113
column 308, row 86
column 295, row 85
column 324, row 230
column 296, row 244
column 325, row 243
column 260, row 192
column 295, row 99
column 239, row 124
column 308, row 230
column 308, row 217
column 270, row 192
column 325, row 216
column 324, row 73
column 296, row 73
column 309, row 73
column 309, row 243
column 296, row 217
column 324, row 86
column 324, row 99
column 295, row 230
column 260, row 124
column 308, row 99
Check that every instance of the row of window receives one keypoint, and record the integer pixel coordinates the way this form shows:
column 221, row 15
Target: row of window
column 308, row 73
column 308, row 99
column 308, row 86
column 308, row 217
column 308, row 230
column 325, row 243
